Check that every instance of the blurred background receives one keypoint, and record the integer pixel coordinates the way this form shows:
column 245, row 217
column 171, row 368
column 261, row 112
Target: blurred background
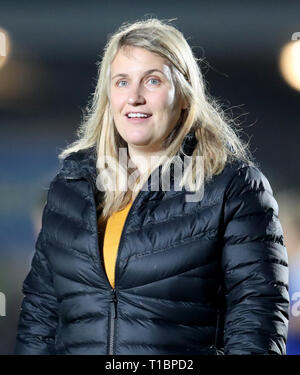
column 48, row 55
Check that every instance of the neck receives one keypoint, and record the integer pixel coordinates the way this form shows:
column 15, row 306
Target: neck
column 145, row 161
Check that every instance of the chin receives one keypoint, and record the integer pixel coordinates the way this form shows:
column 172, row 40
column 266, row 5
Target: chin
column 138, row 142
column 137, row 139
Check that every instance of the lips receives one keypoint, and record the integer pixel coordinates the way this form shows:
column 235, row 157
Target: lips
column 138, row 120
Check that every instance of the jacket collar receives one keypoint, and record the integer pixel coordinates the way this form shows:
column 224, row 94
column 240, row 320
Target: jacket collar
column 82, row 164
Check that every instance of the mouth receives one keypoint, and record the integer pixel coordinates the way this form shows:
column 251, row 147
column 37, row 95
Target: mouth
column 137, row 117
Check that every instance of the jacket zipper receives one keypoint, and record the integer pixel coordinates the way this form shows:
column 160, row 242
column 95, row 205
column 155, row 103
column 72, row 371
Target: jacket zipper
column 114, row 300
column 217, row 328
column 218, row 317
column 114, row 304
column 113, row 317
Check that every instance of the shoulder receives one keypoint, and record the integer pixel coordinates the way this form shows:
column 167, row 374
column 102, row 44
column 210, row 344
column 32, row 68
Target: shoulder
column 242, row 177
column 73, row 167
column 78, row 161
column 70, row 168
column 242, row 185
column 247, row 193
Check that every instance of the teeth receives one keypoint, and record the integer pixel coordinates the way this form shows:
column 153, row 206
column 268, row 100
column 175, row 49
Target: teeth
column 137, row 115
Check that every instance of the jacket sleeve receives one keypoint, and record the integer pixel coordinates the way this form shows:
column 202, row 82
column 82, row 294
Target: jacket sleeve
column 255, row 268
column 38, row 317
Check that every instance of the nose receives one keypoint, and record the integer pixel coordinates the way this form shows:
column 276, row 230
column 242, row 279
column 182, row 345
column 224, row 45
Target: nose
column 135, row 96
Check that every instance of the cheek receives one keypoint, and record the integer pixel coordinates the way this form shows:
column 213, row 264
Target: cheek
column 116, row 101
column 164, row 100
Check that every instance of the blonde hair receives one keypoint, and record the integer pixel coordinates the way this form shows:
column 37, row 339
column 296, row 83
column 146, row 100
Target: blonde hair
column 217, row 142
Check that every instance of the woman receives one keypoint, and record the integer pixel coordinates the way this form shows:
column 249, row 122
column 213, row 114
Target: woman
column 198, row 267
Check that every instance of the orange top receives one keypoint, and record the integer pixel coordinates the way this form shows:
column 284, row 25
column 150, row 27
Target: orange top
column 109, row 235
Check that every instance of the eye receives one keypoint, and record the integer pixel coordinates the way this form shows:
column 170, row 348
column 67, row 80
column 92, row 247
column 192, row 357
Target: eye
column 154, row 81
column 119, row 83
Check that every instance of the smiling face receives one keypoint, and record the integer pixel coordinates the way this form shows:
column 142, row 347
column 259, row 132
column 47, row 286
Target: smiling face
column 141, row 84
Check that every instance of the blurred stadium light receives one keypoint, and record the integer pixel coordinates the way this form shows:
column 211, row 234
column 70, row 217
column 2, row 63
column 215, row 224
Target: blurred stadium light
column 4, row 46
column 290, row 63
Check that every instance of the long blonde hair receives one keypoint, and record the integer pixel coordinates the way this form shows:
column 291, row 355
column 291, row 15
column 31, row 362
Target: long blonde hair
column 218, row 142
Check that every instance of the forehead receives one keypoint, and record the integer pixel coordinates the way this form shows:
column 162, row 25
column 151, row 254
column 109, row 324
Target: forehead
column 130, row 58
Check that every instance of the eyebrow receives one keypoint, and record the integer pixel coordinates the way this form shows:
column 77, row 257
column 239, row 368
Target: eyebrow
column 145, row 73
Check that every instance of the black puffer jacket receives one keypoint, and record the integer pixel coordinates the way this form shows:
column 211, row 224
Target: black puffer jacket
column 206, row 277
